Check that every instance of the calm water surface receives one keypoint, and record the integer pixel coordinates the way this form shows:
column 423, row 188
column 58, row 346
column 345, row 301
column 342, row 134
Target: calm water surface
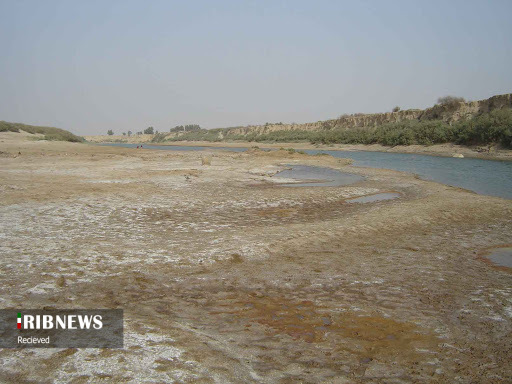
column 501, row 256
column 487, row 177
column 317, row 176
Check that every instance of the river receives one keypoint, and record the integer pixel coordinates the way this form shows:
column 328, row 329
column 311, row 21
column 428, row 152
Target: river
column 487, row 177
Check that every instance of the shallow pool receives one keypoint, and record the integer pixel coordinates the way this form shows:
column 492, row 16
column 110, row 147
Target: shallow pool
column 317, row 176
column 500, row 256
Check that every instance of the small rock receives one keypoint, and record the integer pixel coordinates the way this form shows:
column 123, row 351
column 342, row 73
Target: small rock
column 293, row 369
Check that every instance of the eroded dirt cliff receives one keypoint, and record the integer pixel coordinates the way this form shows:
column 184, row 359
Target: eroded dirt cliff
column 448, row 113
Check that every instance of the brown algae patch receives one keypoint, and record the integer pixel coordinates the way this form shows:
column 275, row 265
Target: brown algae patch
column 366, row 336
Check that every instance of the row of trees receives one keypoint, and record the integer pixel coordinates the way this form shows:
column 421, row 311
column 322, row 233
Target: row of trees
column 129, row 133
column 147, row 131
column 151, row 130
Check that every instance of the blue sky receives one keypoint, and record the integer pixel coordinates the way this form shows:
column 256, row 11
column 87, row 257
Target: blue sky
column 90, row 66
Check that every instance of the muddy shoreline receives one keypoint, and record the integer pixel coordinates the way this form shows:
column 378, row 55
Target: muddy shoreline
column 227, row 276
column 444, row 150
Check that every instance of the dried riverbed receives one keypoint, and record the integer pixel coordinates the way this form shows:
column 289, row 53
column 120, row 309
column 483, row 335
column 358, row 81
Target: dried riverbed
column 225, row 275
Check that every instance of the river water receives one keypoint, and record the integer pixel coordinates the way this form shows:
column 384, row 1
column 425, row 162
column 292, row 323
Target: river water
column 487, row 177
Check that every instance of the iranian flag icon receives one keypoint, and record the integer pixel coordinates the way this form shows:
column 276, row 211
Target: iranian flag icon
column 19, row 320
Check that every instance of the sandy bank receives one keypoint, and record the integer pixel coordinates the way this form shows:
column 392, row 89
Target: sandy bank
column 226, row 276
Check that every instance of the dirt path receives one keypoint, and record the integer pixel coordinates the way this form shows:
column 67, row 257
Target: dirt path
column 226, row 276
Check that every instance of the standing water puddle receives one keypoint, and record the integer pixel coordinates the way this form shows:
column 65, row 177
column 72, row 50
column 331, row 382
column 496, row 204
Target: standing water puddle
column 317, row 176
column 375, row 197
column 500, row 256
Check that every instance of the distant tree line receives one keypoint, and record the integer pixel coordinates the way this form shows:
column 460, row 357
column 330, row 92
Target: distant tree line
column 152, row 131
column 147, row 131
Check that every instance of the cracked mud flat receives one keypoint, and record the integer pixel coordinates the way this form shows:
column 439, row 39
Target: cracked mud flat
column 227, row 276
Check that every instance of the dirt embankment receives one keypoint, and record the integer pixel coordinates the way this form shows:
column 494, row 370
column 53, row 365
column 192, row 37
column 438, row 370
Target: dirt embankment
column 227, row 276
column 449, row 113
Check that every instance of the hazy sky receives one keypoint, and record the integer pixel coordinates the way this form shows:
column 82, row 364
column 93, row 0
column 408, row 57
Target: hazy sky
column 89, row 66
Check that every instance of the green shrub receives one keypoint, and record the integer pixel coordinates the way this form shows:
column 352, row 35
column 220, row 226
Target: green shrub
column 488, row 128
column 159, row 137
column 212, row 135
column 50, row 133
column 9, row 127
column 450, row 101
